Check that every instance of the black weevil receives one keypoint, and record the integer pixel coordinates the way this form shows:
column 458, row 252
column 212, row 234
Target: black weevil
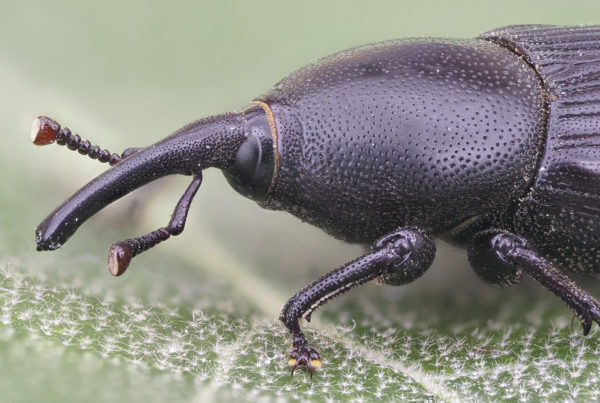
column 491, row 143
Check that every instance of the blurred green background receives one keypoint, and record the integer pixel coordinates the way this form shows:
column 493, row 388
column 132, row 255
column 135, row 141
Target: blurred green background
column 195, row 318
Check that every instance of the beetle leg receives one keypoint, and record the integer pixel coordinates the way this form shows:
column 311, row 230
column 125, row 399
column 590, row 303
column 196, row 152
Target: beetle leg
column 47, row 131
column 494, row 250
column 122, row 252
column 407, row 253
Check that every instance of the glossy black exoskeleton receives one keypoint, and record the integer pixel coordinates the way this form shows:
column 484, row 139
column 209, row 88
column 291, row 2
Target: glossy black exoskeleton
column 491, row 143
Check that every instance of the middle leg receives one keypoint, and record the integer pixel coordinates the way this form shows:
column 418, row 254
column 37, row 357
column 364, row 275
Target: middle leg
column 500, row 257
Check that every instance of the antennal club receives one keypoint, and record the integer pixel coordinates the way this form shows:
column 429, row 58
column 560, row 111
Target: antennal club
column 47, row 131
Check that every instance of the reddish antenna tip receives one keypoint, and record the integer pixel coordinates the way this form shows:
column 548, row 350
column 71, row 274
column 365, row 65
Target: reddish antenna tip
column 119, row 258
column 44, row 131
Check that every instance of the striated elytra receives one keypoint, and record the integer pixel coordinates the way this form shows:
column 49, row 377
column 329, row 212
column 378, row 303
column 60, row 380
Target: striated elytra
column 492, row 144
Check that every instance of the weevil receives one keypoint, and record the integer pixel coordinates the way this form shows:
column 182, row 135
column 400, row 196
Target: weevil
column 491, row 143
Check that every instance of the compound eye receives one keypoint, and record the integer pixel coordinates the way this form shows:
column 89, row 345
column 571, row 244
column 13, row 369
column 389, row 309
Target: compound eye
column 248, row 158
column 252, row 170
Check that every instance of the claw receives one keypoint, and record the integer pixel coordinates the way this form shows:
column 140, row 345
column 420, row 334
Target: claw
column 587, row 321
column 587, row 326
column 304, row 355
column 588, row 315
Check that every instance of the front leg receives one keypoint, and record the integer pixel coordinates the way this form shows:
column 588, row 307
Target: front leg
column 397, row 258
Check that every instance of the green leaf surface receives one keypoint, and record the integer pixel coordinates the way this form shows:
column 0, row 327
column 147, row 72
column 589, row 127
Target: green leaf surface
column 195, row 319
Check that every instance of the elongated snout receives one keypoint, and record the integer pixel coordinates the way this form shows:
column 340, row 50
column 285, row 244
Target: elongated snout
column 210, row 142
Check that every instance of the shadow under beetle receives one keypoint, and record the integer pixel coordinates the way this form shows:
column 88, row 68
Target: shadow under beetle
column 492, row 144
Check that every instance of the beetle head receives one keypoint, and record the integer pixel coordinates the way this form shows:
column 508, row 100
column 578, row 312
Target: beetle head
column 253, row 170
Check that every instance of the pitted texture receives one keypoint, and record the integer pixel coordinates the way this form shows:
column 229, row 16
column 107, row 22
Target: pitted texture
column 561, row 215
column 210, row 142
column 425, row 132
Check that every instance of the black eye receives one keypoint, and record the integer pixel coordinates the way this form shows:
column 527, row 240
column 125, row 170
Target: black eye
column 248, row 158
column 252, row 170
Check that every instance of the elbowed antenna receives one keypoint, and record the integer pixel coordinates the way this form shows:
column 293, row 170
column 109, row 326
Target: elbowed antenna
column 210, row 142
column 122, row 252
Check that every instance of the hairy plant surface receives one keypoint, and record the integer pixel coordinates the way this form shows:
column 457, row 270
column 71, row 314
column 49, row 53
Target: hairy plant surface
column 195, row 319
